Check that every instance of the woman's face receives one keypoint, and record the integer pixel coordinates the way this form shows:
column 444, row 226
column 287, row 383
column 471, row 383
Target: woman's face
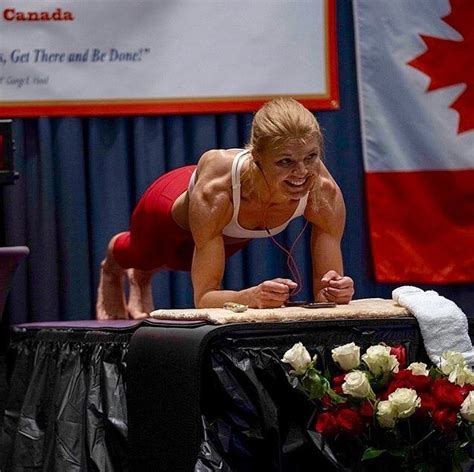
column 292, row 169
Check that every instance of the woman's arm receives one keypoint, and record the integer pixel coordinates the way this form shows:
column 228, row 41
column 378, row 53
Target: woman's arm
column 208, row 267
column 210, row 210
column 329, row 282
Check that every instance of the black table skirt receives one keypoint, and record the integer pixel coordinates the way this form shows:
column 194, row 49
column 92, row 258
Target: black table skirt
column 167, row 396
column 192, row 382
column 66, row 406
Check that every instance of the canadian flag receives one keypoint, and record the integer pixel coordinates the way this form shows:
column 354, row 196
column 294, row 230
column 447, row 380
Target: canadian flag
column 415, row 64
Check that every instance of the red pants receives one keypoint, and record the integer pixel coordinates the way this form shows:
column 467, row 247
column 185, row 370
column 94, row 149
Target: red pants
column 155, row 240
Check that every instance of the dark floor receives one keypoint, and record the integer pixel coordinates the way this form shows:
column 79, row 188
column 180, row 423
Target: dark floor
column 3, row 387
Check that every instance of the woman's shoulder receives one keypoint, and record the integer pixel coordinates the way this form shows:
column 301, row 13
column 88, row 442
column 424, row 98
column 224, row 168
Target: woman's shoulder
column 213, row 176
column 211, row 199
column 329, row 209
column 330, row 191
column 214, row 169
column 217, row 161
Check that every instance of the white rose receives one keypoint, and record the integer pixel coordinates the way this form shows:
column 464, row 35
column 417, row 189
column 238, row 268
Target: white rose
column 467, row 408
column 347, row 356
column 449, row 361
column 460, row 375
column 298, row 357
column 356, row 384
column 386, row 414
column 405, row 401
column 418, row 368
column 469, row 376
column 379, row 360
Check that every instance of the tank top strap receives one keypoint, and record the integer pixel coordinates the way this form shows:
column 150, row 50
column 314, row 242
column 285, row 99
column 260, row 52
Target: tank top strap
column 237, row 164
column 192, row 181
column 300, row 209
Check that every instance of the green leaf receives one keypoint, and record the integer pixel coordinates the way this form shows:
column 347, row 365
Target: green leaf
column 436, row 373
column 372, row 453
column 397, row 453
column 317, row 391
column 422, row 468
column 335, row 398
column 312, row 373
column 384, row 379
column 315, row 384
column 459, row 456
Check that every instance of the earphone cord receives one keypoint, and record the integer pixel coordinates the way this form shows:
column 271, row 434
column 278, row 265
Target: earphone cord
column 290, row 261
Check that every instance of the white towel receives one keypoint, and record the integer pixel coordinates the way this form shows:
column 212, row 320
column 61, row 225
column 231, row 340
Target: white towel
column 443, row 324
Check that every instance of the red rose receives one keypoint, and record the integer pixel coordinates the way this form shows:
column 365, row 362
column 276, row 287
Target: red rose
column 406, row 379
column 402, row 379
column 349, row 421
column 447, row 394
column 466, row 389
column 401, row 354
column 338, row 380
column 403, row 375
column 394, row 384
column 445, row 419
column 421, row 383
column 326, row 401
column 326, row 424
column 366, row 410
column 428, row 403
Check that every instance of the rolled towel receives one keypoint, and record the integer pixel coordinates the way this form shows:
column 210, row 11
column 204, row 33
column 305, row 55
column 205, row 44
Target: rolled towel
column 443, row 325
column 403, row 290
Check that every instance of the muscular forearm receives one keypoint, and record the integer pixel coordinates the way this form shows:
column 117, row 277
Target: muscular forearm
column 217, row 298
column 268, row 294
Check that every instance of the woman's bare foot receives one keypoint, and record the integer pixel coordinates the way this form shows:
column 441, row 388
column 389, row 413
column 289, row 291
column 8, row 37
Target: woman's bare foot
column 110, row 294
column 140, row 298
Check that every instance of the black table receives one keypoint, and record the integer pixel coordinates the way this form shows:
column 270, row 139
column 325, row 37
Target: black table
column 167, row 396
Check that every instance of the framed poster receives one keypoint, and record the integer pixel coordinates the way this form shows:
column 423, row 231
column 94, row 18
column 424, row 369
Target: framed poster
column 107, row 57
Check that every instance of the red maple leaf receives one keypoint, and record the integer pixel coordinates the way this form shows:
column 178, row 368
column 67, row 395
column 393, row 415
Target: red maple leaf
column 450, row 62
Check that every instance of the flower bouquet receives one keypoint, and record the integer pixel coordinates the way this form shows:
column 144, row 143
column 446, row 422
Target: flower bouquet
column 376, row 413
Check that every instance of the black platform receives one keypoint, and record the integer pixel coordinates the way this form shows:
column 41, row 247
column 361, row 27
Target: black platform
column 167, row 396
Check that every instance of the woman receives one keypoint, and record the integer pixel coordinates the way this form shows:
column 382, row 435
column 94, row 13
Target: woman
column 194, row 217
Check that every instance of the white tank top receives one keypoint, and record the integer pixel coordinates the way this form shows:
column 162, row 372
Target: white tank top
column 233, row 229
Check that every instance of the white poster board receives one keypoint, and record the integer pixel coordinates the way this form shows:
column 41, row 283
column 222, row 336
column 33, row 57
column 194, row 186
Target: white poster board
column 164, row 56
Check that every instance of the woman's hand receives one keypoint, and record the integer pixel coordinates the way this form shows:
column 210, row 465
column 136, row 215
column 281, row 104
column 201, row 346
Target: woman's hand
column 271, row 293
column 336, row 288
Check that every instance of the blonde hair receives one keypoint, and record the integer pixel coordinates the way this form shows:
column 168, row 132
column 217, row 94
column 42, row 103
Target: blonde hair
column 279, row 121
column 275, row 124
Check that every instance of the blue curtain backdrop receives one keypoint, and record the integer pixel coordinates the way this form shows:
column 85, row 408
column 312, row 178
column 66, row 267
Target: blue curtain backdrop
column 81, row 177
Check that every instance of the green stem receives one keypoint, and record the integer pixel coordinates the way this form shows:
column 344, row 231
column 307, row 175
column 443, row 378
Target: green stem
column 424, row 438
